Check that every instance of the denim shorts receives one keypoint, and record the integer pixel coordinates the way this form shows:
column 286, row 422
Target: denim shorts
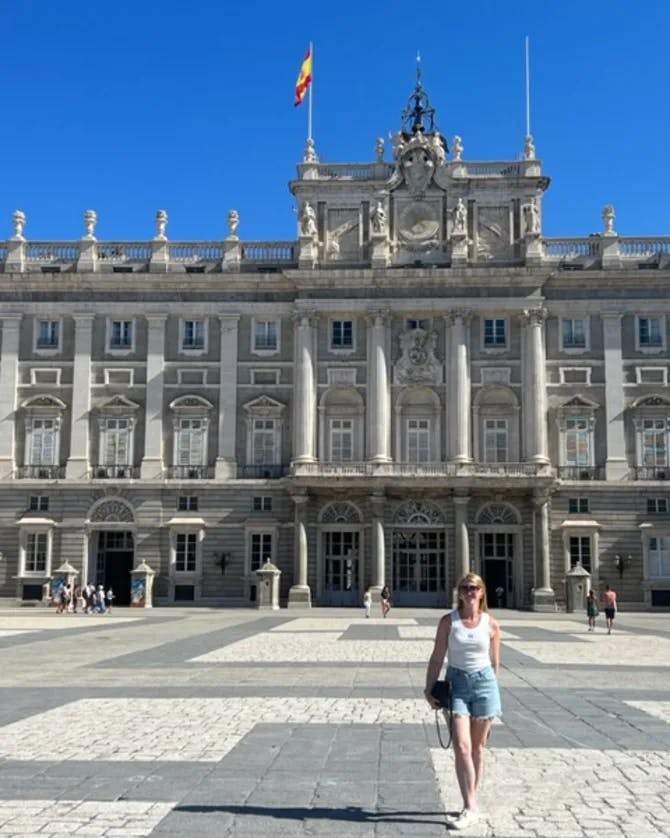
column 475, row 694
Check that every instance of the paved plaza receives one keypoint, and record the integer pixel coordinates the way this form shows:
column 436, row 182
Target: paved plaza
column 211, row 722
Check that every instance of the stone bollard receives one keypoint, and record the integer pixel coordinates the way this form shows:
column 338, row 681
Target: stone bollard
column 267, row 595
column 141, row 585
column 577, row 586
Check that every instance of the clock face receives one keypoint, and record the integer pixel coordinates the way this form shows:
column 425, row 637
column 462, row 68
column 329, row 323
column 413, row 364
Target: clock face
column 418, row 222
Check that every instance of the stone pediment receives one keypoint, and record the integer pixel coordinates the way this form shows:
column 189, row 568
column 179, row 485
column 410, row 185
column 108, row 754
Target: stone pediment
column 44, row 402
column 654, row 400
column 117, row 404
column 187, row 404
column 264, row 406
column 579, row 402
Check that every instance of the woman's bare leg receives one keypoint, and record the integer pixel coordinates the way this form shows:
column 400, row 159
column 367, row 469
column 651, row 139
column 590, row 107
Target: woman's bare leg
column 479, row 732
column 465, row 768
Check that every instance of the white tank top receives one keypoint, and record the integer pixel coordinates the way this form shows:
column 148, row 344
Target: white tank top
column 469, row 648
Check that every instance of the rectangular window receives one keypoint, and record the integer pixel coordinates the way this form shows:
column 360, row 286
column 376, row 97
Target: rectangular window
column 495, row 333
column 654, row 442
column 119, row 377
column 659, row 558
column 580, row 551
column 121, row 334
column 48, row 334
column 189, row 376
column 193, row 336
column 342, row 334
column 38, row 503
column 117, row 442
column 341, row 440
column 657, row 506
column 575, row 375
column 191, row 442
column 495, row 441
column 264, row 448
column 650, row 331
column 43, row 442
column 187, row 503
column 185, row 552
column 573, row 332
column 261, row 549
column 262, row 503
column 577, row 442
column 36, row 552
column 418, row 440
column 578, row 505
column 417, row 324
column 265, row 335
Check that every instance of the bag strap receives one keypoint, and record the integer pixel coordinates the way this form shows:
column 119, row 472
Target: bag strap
column 448, row 716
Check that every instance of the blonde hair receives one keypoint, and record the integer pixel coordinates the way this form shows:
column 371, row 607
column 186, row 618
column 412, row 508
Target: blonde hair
column 475, row 579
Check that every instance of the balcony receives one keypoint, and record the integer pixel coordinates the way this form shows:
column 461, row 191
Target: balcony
column 419, row 470
column 40, row 472
column 270, row 472
column 190, row 472
column 652, row 473
column 114, row 472
column 581, row 473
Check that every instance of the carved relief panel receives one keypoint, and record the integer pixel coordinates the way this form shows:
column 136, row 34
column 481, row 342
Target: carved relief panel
column 493, row 233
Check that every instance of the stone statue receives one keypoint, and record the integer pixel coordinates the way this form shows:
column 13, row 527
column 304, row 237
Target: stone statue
column 308, row 221
column 161, row 224
column 233, row 221
column 378, row 218
column 310, row 152
column 608, row 220
column 438, row 147
column 460, row 218
column 379, row 149
column 531, row 216
column 529, row 148
column 19, row 221
column 457, row 147
column 90, row 220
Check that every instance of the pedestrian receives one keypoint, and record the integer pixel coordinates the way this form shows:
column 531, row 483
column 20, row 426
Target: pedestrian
column 367, row 602
column 100, row 600
column 591, row 609
column 385, row 598
column 609, row 602
column 109, row 596
column 469, row 638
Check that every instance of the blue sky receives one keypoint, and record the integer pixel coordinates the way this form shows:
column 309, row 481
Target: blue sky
column 128, row 107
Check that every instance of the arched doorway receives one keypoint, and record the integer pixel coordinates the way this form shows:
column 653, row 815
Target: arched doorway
column 340, row 562
column 498, row 527
column 112, row 547
column 419, row 555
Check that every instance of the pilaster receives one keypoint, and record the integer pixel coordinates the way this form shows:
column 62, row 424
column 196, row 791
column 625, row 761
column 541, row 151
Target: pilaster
column 458, row 388
column 534, row 387
column 462, row 542
column 543, row 597
column 9, row 367
column 616, row 465
column 77, row 466
column 378, row 574
column 379, row 391
column 152, row 462
column 304, row 401
column 300, row 595
column 226, row 461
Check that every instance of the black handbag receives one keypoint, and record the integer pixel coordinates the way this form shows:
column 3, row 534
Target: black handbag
column 441, row 692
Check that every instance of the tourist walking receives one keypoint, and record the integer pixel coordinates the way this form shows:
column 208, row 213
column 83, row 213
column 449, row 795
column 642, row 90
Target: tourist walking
column 109, row 596
column 591, row 609
column 469, row 639
column 609, row 603
column 385, row 599
column 367, row 602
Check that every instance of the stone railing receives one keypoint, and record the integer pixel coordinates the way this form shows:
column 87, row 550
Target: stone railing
column 572, row 248
column 644, row 246
column 417, row 470
column 350, row 171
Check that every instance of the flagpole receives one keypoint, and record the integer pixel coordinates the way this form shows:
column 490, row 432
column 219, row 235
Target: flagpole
column 527, row 88
column 309, row 93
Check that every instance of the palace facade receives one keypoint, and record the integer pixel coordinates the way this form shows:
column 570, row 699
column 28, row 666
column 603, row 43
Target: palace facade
column 420, row 384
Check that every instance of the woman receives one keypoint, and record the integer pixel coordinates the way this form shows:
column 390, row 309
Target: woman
column 385, row 599
column 470, row 639
column 591, row 609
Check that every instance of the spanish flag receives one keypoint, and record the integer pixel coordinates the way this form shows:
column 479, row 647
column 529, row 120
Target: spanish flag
column 304, row 77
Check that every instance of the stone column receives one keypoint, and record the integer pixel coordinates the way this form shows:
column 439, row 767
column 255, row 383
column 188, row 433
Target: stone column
column 535, row 387
column 378, row 568
column 304, row 389
column 152, row 462
column 458, row 389
column 543, row 598
column 461, row 542
column 78, row 465
column 9, row 371
column 616, row 465
column 378, row 390
column 226, row 461
column 299, row 595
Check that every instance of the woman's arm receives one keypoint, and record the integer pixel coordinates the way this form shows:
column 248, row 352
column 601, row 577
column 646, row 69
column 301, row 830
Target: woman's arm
column 437, row 658
column 495, row 645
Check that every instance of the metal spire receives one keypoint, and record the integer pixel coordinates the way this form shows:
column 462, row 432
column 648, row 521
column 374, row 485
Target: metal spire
column 419, row 115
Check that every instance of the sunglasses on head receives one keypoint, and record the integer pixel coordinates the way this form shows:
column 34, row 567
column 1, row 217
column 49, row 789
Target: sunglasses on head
column 469, row 588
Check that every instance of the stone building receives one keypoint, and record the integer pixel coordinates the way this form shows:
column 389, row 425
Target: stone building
column 419, row 384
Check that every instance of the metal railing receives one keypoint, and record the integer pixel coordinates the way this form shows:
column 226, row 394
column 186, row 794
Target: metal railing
column 652, row 473
column 114, row 472
column 271, row 472
column 581, row 472
column 190, row 472
column 39, row 472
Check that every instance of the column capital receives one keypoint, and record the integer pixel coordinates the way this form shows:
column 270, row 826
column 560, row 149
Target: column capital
column 377, row 502
column 541, row 497
column 300, row 499
column 229, row 322
column 464, row 315
column 533, row 316
column 305, row 317
column 461, row 499
column 378, row 317
column 156, row 319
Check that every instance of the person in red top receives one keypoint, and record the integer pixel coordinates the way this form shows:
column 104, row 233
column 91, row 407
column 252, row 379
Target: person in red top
column 609, row 602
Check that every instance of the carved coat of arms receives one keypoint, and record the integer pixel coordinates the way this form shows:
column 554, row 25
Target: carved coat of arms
column 418, row 364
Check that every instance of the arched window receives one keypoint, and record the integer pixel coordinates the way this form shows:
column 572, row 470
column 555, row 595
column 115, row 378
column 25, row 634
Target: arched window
column 341, row 415
column 496, row 422
column 418, row 414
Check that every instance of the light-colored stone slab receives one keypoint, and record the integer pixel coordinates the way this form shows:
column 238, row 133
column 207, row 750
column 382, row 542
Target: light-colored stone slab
column 93, row 818
column 613, row 650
